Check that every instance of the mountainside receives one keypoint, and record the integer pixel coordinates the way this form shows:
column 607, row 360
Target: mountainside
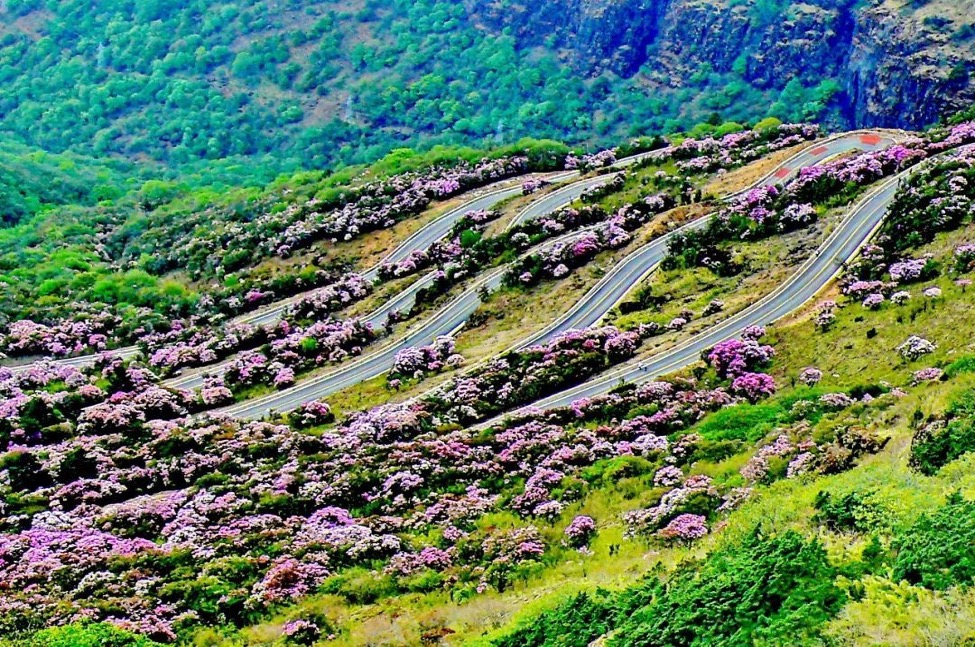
column 321, row 82
column 343, row 323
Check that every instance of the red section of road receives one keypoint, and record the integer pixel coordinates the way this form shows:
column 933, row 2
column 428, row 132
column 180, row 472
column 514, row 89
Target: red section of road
column 870, row 140
column 782, row 173
column 819, row 151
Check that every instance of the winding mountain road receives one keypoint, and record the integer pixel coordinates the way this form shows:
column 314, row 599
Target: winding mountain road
column 814, row 275
column 588, row 311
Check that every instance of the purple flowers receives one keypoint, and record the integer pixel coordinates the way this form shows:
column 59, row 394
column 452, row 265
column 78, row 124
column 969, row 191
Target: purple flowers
column 873, row 301
column 61, row 339
column 965, row 257
column 415, row 362
column 908, row 271
column 301, row 632
column 927, row 375
column 753, row 386
column 324, row 301
column 531, row 185
column 735, row 357
column 580, row 531
column 668, row 476
column 685, row 528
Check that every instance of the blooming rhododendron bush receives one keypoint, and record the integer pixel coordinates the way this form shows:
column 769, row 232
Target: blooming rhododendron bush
column 765, row 211
column 764, row 494
column 171, row 523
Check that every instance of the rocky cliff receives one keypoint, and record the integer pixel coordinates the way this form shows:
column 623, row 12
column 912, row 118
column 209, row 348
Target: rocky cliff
column 896, row 64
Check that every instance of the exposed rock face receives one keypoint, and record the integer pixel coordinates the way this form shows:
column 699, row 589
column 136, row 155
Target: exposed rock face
column 894, row 69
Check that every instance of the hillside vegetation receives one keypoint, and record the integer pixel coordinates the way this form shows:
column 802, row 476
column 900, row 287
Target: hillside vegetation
column 282, row 82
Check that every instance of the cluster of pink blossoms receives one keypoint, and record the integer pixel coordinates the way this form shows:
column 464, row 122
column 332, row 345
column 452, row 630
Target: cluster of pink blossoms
column 415, row 362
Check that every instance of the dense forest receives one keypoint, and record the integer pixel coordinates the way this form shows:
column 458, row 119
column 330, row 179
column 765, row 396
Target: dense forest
column 286, row 83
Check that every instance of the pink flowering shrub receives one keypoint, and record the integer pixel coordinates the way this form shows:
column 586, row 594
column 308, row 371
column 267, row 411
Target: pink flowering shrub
column 753, row 386
column 301, row 632
column 965, row 257
column 810, row 376
column 685, row 528
column 63, row 338
column 311, row 414
column 580, row 531
column 607, row 233
column 927, row 375
column 415, row 362
column 292, row 350
column 324, row 301
column 873, row 301
column 825, row 315
column 735, row 357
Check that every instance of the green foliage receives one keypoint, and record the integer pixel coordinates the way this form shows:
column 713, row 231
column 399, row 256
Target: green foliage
column 851, row 512
column 754, row 592
column 741, row 422
column 574, row 623
column 937, row 443
column 938, row 551
column 86, row 635
column 360, row 585
column 961, row 365
column 757, row 592
column 322, row 83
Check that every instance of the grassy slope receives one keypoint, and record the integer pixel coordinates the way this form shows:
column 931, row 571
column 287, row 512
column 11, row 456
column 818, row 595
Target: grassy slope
column 848, row 358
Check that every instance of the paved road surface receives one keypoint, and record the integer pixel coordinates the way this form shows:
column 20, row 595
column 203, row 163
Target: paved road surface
column 803, row 286
column 456, row 313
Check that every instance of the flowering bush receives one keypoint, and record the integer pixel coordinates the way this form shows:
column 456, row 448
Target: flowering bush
column 322, row 302
column 911, row 270
column 301, row 632
column 873, row 301
column 311, row 414
column 753, row 386
column 667, row 476
column 916, row 347
column 900, row 298
column 810, row 376
column 609, row 233
column 580, row 531
column 965, row 257
column 298, row 349
column 685, row 528
column 736, row 357
column 62, row 339
column 415, row 362
column 927, row 375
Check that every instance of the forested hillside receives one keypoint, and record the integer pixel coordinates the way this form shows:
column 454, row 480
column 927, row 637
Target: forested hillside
column 284, row 82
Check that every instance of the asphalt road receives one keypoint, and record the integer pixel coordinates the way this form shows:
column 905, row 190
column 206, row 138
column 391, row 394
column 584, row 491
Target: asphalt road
column 420, row 240
column 801, row 287
column 613, row 287
column 589, row 310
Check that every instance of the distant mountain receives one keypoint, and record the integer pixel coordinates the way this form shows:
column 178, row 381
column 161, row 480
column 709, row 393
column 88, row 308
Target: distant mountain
column 283, row 82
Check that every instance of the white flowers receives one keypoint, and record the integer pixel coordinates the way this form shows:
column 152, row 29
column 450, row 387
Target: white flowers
column 916, row 347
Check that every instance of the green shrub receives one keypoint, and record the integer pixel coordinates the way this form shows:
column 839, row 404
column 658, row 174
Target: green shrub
column 764, row 591
column 747, row 422
column 575, row 623
column 938, row 551
column 852, row 512
column 87, row 635
column 361, row 586
column 961, row 365
column 937, row 443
